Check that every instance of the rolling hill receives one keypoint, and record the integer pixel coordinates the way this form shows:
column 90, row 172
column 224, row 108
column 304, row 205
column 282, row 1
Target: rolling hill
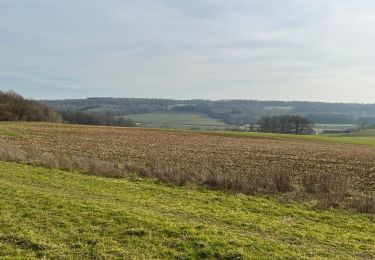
column 178, row 120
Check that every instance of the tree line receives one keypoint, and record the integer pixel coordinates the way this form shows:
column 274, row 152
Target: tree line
column 13, row 107
column 80, row 118
column 286, row 124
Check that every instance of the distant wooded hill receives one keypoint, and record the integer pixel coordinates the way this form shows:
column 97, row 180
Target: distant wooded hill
column 236, row 112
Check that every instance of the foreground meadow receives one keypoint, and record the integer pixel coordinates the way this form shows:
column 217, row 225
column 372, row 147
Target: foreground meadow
column 60, row 214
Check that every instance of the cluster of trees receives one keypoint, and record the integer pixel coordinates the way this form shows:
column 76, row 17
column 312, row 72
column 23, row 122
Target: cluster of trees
column 80, row 118
column 14, row 107
column 286, row 124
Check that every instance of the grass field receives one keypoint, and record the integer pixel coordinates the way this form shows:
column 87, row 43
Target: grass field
column 370, row 133
column 9, row 133
column 366, row 137
column 59, row 214
column 334, row 127
column 178, row 120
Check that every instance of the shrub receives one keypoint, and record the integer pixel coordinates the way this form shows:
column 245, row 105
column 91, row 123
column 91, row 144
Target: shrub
column 281, row 180
column 364, row 203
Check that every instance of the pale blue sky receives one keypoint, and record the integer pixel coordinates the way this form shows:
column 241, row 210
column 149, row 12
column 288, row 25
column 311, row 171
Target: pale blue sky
column 319, row 50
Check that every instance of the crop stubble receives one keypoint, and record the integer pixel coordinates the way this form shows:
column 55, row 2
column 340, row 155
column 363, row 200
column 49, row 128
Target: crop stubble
column 189, row 151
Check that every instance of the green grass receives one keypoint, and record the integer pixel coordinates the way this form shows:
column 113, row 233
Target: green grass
column 9, row 133
column 179, row 120
column 53, row 213
column 365, row 133
column 364, row 138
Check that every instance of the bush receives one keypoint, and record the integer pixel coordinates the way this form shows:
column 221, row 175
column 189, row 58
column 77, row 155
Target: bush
column 282, row 181
column 364, row 204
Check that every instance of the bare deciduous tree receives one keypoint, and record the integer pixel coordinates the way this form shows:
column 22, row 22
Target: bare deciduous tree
column 286, row 124
column 14, row 107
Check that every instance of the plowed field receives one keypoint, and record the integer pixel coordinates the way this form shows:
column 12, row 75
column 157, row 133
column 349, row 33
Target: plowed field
column 245, row 154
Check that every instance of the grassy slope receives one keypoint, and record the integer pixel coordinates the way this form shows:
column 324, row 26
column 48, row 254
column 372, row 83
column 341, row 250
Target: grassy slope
column 56, row 213
column 177, row 120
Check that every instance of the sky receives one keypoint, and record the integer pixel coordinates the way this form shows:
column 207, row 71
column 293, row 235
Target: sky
column 313, row 50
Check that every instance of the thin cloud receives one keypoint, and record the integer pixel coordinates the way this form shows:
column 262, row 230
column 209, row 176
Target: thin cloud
column 289, row 49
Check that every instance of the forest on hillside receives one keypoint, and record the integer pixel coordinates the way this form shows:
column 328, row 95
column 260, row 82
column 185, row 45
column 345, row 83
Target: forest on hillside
column 14, row 107
column 235, row 112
